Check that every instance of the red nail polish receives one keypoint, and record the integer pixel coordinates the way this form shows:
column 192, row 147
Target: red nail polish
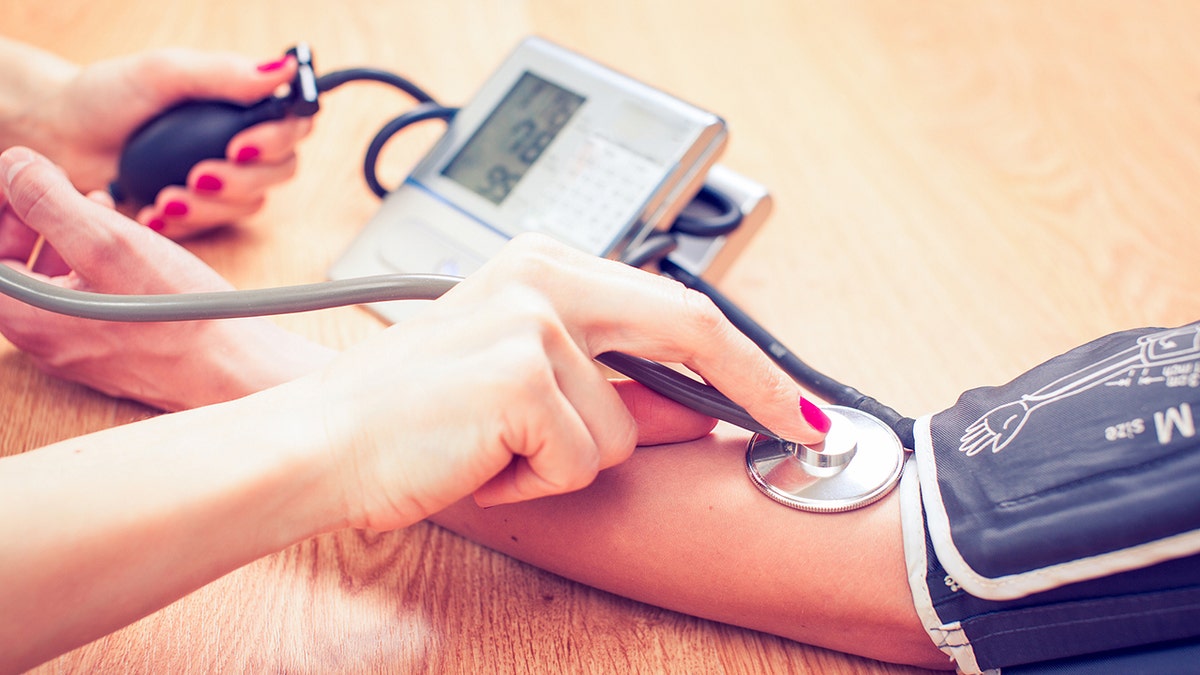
column 247, row 154
column 175, row 208
column 156, row 224
column 209, row 183
column 271, row 66
column 815, row 417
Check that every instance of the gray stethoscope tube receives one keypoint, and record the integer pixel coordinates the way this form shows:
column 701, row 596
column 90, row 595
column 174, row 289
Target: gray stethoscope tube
column 327, row 294
column 222, row 304
column 821, row 479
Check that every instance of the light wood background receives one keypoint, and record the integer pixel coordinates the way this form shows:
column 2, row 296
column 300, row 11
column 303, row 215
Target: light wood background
column 962, row 191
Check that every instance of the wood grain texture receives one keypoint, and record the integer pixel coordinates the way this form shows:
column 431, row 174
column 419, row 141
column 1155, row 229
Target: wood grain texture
column 962, row 190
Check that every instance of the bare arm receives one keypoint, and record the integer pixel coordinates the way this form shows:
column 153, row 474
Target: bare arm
column 680, row 526
column 119, row 523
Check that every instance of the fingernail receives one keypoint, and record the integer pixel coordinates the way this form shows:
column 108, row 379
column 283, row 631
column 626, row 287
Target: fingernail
column 247, row 154
column 175, row 208
column 815, row 417
column 156, row 224
column 209, row 183
column 16, row 158
column 271, row 66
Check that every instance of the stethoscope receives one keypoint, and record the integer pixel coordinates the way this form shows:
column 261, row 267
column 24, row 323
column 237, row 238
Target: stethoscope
column 859, row 462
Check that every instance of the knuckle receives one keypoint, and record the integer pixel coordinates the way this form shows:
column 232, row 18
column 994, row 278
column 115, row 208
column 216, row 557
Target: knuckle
column 623, row 446
column 28, row 195
column 583, row 480
column 538, row 260
column 528, row 361
column 535, row 243
column 157, row 64
column 528, row 257
column 779, row 388
column 531, row 312
column 585, row 472
column 701, row 315
column 289, row 167
column 522, row 302
column 252, row 204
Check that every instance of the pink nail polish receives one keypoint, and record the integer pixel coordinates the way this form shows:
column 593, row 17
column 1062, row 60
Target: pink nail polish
column 247, row 154
column 815, row 417
column 272, row 66
column 175, row 208
column 209, row 183
column 156, row 224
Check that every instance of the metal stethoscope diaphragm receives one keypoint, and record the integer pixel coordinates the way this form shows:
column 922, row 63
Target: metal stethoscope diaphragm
column 858, row 463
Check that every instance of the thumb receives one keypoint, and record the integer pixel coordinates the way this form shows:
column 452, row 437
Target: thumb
column 81, row 230
column 175, row 75
column 32, row 184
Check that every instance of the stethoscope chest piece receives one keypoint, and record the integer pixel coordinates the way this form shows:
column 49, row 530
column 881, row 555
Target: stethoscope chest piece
column 858, row 463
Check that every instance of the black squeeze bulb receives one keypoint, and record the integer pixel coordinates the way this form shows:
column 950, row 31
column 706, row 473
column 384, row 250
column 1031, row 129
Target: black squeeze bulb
column 164, row 150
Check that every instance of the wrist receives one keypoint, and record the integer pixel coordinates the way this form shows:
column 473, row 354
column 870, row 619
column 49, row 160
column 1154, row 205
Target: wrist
column 242, row 357
column 299, row 481
column 314, row 491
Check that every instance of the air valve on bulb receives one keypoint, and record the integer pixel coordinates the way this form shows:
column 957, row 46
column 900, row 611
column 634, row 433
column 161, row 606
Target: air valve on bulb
column 857, row 464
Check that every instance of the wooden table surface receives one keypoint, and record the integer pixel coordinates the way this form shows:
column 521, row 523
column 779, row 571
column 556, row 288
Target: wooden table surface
column 962, row 190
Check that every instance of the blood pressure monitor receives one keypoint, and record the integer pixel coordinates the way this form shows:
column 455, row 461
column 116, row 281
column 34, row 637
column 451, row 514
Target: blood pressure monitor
column 554, row 143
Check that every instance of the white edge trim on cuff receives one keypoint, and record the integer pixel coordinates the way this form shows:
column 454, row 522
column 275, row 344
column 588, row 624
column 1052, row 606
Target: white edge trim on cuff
column 949, row 638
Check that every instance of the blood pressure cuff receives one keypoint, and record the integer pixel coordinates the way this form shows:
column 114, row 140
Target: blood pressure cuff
column 1059, row 515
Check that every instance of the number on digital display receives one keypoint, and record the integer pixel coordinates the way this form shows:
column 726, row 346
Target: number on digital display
column 513, row 137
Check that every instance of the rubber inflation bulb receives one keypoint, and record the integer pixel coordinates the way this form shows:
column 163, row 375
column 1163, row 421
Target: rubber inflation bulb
column 165, row 149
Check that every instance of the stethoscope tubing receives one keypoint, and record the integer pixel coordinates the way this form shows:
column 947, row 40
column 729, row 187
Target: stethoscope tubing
column 328, row 294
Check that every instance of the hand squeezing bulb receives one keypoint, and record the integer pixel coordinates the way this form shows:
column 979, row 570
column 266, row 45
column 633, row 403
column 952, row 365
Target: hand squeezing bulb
column 163, row 151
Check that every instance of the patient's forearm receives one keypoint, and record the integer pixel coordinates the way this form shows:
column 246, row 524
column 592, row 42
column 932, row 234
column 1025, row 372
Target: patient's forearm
column 682, row 527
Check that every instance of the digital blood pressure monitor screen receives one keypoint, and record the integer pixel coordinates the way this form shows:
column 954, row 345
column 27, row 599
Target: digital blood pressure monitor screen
column 552, row 143
column 513, row 136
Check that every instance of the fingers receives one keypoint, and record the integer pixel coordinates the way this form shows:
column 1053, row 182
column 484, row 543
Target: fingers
column 105, row 249
column 46, row 201
column 573, row 423
column 553, row 453
column 614, row 307
column 36, row 191
column 46, row 260
column 219, row 192
column 593, row 398
column 269, row 143
column 678, row 324
column 21, row 244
